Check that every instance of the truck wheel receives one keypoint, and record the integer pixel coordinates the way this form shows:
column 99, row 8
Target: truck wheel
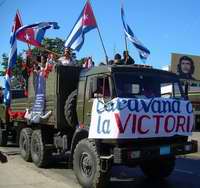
column 70, row 109
column 160, row 168
column 3, row 137
column 86, row 164
column 25, row 144
column 38, row 153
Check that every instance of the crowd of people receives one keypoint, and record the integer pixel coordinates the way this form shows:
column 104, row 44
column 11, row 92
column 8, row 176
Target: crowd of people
column 44, row 63
column 68, row 59
column 126, row 60
column 118, row 60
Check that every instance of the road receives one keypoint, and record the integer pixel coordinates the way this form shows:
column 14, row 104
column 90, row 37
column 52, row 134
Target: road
column 20, row 174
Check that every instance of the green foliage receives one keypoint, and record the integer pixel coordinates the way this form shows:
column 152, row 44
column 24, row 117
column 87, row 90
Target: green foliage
column 55, row 45
column 81, row 61
column 17, row 70
column 4, row 64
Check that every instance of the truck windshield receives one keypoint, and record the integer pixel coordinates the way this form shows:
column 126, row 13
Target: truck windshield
column 128, row 85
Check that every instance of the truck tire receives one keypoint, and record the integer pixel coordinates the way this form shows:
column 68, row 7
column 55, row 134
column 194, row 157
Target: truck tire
column 3, row 137
column 86, row 164
column 70, row 109
column 38, row 151
column 25, row 144
column 158, row 168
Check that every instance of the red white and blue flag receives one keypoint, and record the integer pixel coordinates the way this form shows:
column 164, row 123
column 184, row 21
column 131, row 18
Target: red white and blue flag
column 143, row 51
column 19, row 30
column 17, row 23
column 34, row 34
column 84, row 24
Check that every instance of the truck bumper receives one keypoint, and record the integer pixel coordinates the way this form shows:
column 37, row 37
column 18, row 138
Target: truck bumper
column 124, row 155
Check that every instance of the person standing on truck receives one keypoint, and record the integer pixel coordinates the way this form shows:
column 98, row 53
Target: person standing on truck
column 118, row 59
column 88, row 63
column 67, row 58
column 127, row 59
column 50, row 62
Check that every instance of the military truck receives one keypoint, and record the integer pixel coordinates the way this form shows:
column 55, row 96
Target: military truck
column 103, row 116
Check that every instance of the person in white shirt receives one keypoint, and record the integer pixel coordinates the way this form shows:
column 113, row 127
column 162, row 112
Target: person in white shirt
column 67, row 58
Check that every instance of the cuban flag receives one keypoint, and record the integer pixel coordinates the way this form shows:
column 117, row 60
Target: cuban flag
column 34, row 34
column 17, row 23
column 143, row 51
column 84, row 24
column 13, row 53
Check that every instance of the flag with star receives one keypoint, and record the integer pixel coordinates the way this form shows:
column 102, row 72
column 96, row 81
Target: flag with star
column 34, row 34
column 17, row 23
column 84, row 24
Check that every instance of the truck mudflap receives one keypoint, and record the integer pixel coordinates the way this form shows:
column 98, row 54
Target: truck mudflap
column 123, row 155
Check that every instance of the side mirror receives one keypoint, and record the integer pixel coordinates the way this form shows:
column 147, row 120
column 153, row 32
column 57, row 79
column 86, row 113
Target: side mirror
column 185, row 85
column 186, row 90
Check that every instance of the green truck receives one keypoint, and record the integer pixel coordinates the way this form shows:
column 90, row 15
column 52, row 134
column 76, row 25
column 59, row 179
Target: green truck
column 100, row 117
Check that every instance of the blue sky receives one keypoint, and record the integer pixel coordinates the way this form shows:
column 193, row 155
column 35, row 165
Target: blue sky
column 162, row 26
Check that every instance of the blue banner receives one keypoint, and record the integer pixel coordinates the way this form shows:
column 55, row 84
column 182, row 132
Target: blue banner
column 39, row 103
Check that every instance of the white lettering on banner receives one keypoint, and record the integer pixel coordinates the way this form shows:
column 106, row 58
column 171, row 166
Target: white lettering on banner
column 140, row 118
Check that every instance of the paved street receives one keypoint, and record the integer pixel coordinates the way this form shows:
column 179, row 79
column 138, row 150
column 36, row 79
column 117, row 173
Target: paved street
column 20, row 174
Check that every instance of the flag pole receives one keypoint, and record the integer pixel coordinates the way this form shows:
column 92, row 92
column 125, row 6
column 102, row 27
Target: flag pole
column 125, row 39
column 29, row 47
column 47, row 50
column 126, row 47
column 104, row 49
column 106, row 56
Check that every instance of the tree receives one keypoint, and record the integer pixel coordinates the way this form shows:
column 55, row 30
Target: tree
column 55, row 45
column 16, row 72
column 4, row 64
column 81, row 61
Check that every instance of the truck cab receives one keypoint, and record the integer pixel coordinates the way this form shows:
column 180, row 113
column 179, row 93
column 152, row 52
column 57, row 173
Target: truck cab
column 132, row 120
column 138, row 82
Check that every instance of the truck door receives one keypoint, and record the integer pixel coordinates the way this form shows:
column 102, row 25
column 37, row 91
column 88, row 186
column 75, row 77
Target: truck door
column 98, row 86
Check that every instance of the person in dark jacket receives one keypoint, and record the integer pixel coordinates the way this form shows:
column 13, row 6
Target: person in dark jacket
column 118, row 59
column 127, row 59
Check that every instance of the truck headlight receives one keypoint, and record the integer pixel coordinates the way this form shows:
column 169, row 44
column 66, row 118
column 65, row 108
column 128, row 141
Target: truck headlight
column 134, row 154
column 188, row 147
